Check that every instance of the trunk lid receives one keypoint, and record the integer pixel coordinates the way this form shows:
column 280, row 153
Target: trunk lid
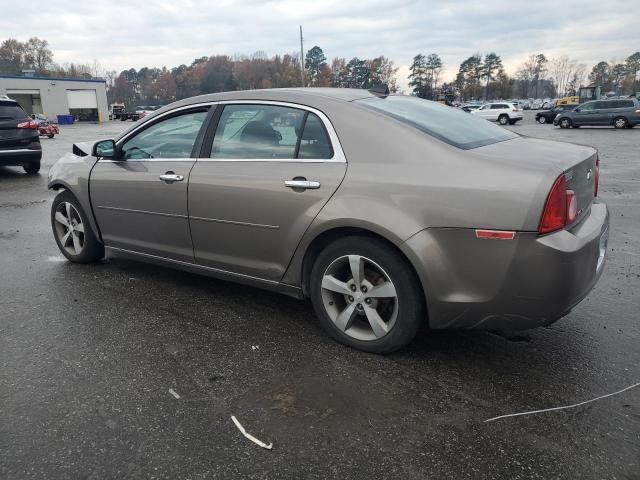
column 577, row 162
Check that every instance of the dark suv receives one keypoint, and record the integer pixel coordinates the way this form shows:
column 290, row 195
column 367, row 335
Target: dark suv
column 619, row 112
column 19, row 140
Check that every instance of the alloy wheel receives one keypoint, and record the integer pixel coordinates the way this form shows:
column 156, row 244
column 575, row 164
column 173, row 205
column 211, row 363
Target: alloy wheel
column 359, row 297
column 620, row 123
column 69, row 228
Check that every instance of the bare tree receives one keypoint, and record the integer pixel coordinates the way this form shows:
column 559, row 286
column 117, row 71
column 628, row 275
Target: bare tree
column 566, row 75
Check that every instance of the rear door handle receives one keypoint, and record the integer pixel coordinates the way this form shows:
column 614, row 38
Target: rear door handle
column 303, row 184
column 171, row 177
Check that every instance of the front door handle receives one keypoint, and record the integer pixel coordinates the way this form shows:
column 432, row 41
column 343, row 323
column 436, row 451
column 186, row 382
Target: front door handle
column 171, row 177
column 302, row 184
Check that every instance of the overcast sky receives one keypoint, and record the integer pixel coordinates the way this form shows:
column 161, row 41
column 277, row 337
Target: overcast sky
column 121, row 34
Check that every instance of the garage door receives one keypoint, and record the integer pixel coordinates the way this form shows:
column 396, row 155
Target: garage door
column 82, row 99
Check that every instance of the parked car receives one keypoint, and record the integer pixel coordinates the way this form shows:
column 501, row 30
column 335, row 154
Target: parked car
column 46, row 128
column 547, row 116
column 468, row 107
column 441, row 218
column 619, row 112
column 19, row 140
column 501, row 112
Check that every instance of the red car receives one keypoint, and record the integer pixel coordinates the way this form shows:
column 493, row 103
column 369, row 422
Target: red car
column 45, row 127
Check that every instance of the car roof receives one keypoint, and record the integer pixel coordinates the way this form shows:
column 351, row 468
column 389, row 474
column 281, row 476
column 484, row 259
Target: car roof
column 312, row 96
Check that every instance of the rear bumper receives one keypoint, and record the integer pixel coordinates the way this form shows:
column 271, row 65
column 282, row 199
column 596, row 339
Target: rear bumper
column 508, row 285
column 19, row 156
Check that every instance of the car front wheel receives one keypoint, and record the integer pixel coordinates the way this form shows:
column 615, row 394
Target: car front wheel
column 366, row 295
column 72, row 232
column 542, row 119
column 564, row 123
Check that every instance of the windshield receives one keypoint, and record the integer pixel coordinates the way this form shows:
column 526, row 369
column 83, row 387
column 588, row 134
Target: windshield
column 448, row 124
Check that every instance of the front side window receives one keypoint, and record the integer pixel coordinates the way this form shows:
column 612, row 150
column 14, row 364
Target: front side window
column 247, row 131
column 447, row 124
column 173, row 137
column 587, row 107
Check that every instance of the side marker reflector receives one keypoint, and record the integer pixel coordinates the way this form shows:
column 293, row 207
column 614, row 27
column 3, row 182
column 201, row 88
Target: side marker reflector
column 495, row 235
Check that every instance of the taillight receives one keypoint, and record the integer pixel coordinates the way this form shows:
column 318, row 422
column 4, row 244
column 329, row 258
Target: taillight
column 560, row 208
column 30, row 124
column 597, row 177
column 637, row 113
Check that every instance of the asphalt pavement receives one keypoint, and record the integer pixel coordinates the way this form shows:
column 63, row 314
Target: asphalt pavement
column 89, row 354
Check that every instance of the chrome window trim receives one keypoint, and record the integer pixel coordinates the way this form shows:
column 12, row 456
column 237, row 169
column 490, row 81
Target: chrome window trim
column 338, row 153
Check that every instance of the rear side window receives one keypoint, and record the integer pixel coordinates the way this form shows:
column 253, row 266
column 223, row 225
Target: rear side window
column 263, row 132
column 12, row 111
column 498, row 106
column 315, row 140
column 451, row 125
column 622, row 104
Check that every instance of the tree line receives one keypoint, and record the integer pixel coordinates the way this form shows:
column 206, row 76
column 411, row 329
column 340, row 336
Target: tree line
column 221, row 73
column 478, row 76
column 35, row 54
column 484, row 77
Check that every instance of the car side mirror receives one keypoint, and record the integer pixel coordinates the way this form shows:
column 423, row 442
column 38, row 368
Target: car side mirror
column 577, row 110
column 105, row 149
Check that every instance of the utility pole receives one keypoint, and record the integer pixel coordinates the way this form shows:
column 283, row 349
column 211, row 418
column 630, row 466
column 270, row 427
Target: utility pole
column 301, row 58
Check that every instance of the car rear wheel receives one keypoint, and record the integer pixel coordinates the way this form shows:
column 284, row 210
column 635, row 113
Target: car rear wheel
column 620, row 122
column 72, row 232
column 564, row 123
column 32, row 167
column 542, row 119
column 366, row 295
column 503, row 119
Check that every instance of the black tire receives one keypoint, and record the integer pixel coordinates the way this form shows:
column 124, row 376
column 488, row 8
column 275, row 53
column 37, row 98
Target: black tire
column 410, row 304
column 503, row 119
column 32, row 167
column 565, row 122
column 92, row 250
column 50, row 135
column 620, row 122
column 542, row 119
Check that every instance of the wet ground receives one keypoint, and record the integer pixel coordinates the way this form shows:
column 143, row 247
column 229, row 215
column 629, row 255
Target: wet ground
column 88, row 355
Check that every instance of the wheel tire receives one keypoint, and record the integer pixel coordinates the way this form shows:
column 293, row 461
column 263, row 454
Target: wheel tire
column 50, row 135
column 91, row 249
column 407, row 307
column 564, row 123
column 32, row 167
column 620, row 122
column 542, row 119
column 503, row 119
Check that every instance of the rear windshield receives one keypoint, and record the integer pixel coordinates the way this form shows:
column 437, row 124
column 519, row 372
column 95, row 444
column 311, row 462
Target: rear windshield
column 451, row 125
column 11, row 110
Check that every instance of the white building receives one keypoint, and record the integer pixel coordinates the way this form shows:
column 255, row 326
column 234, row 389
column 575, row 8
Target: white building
column 85, row 99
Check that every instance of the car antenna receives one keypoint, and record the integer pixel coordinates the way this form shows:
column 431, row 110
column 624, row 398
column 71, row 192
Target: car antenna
column 381, row 90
